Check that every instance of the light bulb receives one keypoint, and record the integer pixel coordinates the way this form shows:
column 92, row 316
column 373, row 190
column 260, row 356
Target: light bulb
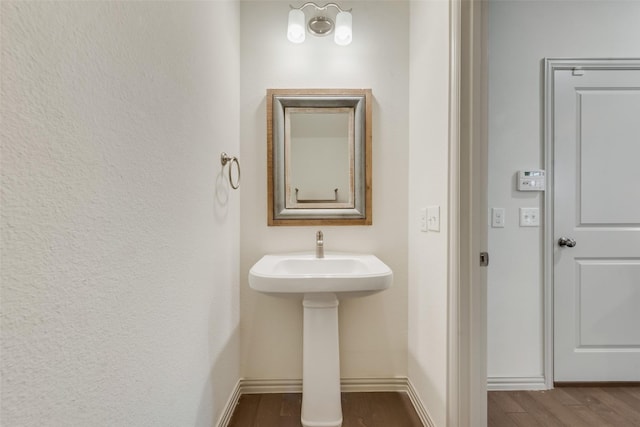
column 295, row 29
column 343, row 34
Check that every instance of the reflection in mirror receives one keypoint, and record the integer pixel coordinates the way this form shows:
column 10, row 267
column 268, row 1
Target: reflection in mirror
column 319, row 156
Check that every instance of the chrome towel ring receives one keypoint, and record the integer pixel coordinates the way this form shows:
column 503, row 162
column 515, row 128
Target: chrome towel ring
column 224, row 159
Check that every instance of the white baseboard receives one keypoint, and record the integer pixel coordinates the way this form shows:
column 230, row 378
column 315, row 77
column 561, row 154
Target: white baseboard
column 351, row 385
column 260, row 386
column 232, row 402
column 348, row 385
column 516, row 383
column 418, row 405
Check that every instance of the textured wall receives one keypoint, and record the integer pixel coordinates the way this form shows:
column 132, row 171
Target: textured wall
column 373, row 330
column 119, row 235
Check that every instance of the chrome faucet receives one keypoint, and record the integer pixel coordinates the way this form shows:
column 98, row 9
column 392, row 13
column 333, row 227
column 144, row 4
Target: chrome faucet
column 319, row 245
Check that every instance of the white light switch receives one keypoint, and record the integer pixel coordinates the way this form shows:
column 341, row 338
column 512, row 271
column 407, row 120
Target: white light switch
column 423, row 219
column 497, row 217
column 529, row 217
column 433, row 218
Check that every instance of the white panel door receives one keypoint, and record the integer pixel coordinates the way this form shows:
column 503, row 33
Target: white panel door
column 596, row 134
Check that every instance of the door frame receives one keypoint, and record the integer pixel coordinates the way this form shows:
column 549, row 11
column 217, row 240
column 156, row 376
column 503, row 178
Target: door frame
column 550, row 66
column 468, row 161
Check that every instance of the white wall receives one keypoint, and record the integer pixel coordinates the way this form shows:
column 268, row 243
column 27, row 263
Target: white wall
column 521, row 34
column 428, row 186
column 120, row 237
column 373, row 330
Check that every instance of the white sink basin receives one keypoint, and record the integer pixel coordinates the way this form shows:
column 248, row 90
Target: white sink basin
column 297, row 274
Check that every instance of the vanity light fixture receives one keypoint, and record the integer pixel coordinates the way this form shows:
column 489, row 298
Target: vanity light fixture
column 320, row 25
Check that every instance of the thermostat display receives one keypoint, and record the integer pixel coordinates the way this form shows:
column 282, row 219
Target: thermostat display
column 531, row 180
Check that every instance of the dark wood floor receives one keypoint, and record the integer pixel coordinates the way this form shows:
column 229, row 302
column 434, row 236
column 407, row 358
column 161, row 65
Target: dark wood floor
column 378, row 409
column 566, row 407
column 560, row 407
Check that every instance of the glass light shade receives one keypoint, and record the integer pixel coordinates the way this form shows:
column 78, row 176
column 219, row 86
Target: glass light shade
column 343, row 34
column 295, row 29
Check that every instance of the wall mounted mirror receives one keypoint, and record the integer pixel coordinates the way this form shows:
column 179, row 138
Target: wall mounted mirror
column 319, row 156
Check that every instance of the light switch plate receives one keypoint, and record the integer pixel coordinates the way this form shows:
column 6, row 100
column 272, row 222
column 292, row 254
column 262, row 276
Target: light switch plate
column 433, row 218
column 497, row 217
column 529, row 217
column 423, row 219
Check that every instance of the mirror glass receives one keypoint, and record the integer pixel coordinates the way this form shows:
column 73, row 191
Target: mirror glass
column 319, row 167
column 318, row 150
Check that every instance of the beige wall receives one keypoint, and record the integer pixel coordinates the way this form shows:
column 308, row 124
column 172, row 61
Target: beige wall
column 120, row 238
column 373, row 334
column 428, row 186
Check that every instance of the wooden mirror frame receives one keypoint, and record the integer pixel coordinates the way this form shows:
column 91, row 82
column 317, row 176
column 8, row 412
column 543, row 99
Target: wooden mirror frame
column 280, row 99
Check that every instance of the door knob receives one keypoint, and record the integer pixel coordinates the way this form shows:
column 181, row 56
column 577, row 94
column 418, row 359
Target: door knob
column 566, row 241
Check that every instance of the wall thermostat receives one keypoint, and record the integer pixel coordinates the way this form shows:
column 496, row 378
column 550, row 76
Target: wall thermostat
column 531, row 180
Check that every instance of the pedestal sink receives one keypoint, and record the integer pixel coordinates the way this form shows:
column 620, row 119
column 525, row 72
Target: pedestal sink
column 320, row 282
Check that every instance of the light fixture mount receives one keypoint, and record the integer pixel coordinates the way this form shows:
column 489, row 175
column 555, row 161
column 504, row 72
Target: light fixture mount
column 320, row 25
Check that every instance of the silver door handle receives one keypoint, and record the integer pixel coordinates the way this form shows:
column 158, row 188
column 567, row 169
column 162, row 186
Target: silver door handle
column 566, row 241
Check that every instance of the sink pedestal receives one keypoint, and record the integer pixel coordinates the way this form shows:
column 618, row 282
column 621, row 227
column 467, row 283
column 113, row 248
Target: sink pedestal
column 321, row 405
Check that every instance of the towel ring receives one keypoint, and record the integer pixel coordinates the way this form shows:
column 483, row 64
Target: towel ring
column 224, row 159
